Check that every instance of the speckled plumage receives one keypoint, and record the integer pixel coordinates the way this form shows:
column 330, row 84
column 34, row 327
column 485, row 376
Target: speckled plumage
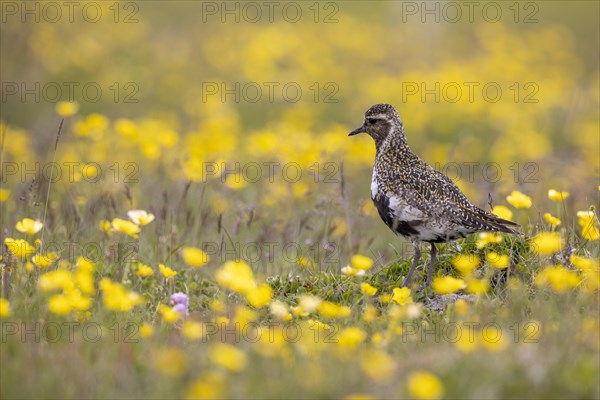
column 413, row 199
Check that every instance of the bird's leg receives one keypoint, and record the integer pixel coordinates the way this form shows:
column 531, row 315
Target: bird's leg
column 416, row 258
column 431, row 264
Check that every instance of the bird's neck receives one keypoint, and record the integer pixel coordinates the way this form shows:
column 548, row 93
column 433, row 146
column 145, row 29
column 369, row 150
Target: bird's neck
column 395, row 141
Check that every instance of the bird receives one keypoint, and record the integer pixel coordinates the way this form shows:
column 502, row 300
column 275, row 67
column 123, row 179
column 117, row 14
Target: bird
column 415, row 200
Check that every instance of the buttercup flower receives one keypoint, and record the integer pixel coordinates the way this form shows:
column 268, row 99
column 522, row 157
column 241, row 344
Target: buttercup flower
column 144, row 270
column 556, row 195
column 4, row 308
column 140, row 217
column 549, row 218
column 19, row 247
column 29, row 226
column 194, row 257
column 126, row 227
column 66, row 108
column 502, row 212
column 447, row 285
column 367, row 289
column 519, row 200
column 547, row 243
column 361, row 262
column 496, row 260
column 166, row 271
column 402, row 296
column 424, row 385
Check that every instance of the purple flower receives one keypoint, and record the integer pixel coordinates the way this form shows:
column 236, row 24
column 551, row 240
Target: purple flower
column 180, row 302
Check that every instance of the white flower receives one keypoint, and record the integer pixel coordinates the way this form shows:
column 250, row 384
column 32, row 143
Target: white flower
column 140, row 217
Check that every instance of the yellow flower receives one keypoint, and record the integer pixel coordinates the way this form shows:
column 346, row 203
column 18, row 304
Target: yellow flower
column 194, row 257
column 424, row 385
column 378, row 365
column 348, row 270
column 170, row 361
column 29, row 226
column 465, row 263
column 146, row 330
column 280, row 310
column 552, row 220
column 556, row 195
column 105, row 226
column 518, row 199
column 502, row 212
column 584, row 263
column 192, row 330
column 228, row 357
column 260, row 296
column 477, row 286
column 351, row 337
column 237, row 276
column 559, row 278
column 402, row 296
column 447, row 284
column 44, row 261
column 461, row 306
column 367, row 289
column 4, row 308
column 19, row 247
column 332, row 310
column 166, row 271
column 547, row 243
column 59, row 304
column 309, row 303
column 57, row 279
column 496, row 260
column 168, row 313
column 115, row 297
column 587, row 221
column 492, row 338
column 211, row 386
column 144, row 270
column 4, row 194
column 140, row 217
column 66, row 108
column 126, row 227
column 361, row 262
column 485, row 238
column 236, row 181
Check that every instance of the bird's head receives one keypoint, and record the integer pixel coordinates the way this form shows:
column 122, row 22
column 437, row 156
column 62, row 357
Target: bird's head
column 380, row 121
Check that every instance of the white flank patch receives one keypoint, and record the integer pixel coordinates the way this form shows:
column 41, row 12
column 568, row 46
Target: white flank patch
column 404, row 212
column 374, row 186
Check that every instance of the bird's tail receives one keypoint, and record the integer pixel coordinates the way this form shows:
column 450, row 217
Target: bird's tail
column 494, row 223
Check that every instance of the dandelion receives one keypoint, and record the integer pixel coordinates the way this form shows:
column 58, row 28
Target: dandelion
column 496, row 260
column 518, row 199
column 587, row 221
column 170, row 361
column 361, row 262
column 333, row 310
column 126, row 227
column 502, row 212
column 260, row 296
column 547, row 243
column 18, row 247
column 116, row 297
column 552, row 220
column 351, row 337
column 194, row 257
column 169, row 314
column 143, row 270
column 378, row 365
column 447, row 285
column 424, row 385
column 166, row 271
column 4, row 308
column 485, row 238
column 367, row 289
column 465, row 263
column 140, row 217
column 29, row 226
column 477, row 286
column 44, row 261
column 584, row 263
column 228, row 357
column 192, row 330
column 66, row 108
column 146, row 330
column 558, row 278
column 237, row 276
column 402, row 296
column 557, row 196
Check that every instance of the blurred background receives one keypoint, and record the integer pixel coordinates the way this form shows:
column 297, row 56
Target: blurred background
column 501, row 96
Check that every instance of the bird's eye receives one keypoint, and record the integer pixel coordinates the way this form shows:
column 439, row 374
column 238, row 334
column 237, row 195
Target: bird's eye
column 371, row 121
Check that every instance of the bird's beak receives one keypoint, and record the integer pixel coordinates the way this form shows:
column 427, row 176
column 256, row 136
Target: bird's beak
column 357, row 131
